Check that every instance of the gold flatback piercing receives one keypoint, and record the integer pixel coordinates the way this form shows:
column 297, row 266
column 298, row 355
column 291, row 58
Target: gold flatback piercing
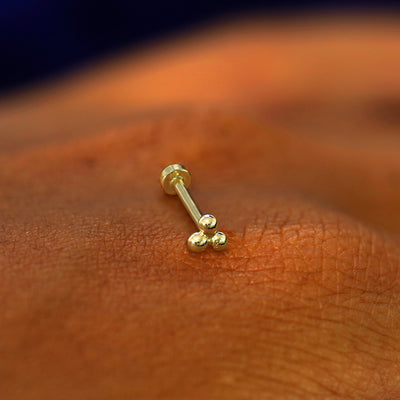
column 175, row 179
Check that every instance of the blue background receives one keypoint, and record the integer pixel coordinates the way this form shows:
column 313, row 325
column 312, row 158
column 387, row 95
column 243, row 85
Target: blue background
column 43, row 38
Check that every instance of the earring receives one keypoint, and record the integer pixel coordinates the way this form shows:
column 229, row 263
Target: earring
column 175, row 180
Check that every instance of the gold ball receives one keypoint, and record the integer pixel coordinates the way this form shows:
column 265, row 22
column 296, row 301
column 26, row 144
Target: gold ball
column 208, row 224
column 197, row 242
column 219, row 241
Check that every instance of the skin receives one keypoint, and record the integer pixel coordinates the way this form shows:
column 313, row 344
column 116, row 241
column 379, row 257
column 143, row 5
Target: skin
column 100, row 297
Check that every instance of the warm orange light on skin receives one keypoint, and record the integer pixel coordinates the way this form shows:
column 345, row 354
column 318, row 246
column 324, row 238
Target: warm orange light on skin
column 305, row 304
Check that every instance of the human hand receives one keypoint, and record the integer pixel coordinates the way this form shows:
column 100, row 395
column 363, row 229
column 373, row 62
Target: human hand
column 101, row 298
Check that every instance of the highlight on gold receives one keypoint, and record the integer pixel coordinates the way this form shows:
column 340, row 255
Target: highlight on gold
column 175, row 180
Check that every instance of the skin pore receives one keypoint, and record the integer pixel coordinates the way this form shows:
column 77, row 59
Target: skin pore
column 292, row 141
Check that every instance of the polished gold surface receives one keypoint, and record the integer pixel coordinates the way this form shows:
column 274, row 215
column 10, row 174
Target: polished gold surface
column 175, row 179
column 219, row 241
column 208, row 224
column 170, row 174
column 187, row 201
column 197, row 242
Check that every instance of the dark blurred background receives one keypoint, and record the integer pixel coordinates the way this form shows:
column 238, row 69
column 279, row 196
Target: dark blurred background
column 44, row 38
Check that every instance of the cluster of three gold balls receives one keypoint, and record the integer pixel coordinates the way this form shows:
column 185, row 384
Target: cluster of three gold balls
column 175, row 180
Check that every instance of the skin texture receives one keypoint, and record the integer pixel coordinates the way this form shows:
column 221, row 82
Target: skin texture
column 291, row 135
